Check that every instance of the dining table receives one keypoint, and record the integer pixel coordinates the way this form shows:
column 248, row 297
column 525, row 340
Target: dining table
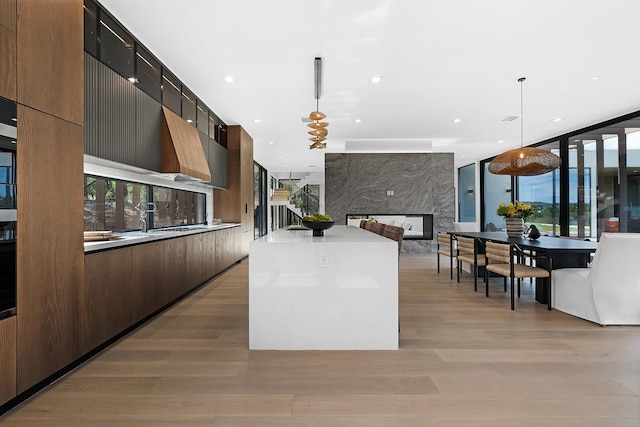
column 562, row 251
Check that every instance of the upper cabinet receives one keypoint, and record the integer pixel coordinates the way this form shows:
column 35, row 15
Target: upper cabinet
column 8, row 46
column 236, row 203
column 7, row 64
column 49, row 53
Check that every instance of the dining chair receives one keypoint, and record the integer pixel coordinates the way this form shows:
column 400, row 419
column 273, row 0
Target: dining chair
column 467, row 251
column 502, row 259
column 394, row 233
column 377, row 227
column 446, row 246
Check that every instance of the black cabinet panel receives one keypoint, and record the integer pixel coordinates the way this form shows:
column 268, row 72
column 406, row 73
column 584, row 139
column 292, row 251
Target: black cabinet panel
column 148, row 132
column 110, row 113
column 218, row 164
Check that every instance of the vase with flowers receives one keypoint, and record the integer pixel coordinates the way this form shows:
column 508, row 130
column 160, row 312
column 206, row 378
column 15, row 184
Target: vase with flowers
column 515, row 215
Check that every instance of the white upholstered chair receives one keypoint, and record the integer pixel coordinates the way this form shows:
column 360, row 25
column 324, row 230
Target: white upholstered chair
column 607, row 293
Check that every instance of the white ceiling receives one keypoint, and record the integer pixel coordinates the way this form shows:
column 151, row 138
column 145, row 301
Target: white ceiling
column 439, row 59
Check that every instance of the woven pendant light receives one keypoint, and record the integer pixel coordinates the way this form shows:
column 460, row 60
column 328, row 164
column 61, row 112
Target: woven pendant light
column 524, row 161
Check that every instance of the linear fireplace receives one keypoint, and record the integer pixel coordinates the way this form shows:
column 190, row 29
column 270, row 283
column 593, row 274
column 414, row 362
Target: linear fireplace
column 416, row 226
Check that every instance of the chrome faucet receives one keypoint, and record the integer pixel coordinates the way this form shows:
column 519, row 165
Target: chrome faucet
column 144, row 208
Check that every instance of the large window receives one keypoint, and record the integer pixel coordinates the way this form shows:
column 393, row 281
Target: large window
column 466, row 193
column 496, row 189
column 260, row 193
column 595, row 190
column 543, row 193
column 111, row 204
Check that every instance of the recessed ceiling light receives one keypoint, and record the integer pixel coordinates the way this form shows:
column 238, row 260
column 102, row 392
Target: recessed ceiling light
column 594, row 78
column 281, row 157
column 133, row 80
column 557, row 119
column 229, row 79
column 376, row 79
column 462, row 155
column 457, row 120
column 500, row 142
column 271, row 142
column 189, row 121
column 358, row 120
column 256, row 120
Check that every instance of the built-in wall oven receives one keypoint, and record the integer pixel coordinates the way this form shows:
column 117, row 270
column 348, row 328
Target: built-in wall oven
column 8, row 212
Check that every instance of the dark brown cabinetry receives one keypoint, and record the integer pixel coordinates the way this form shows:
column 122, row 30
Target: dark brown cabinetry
column 50, row 57
column 50, row 261
column 195, row 267
column 175, row 272
column 7, row 64
column 235, row 204
column 107, row 295
column 228, row 248
column 7, row 359
column 148, row 286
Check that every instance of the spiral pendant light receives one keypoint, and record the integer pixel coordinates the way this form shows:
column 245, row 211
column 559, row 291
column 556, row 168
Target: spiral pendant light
column 524, row 161
column 319, row 130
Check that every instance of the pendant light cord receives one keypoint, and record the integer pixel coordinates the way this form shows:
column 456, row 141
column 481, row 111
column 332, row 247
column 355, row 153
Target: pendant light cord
column 521, row 80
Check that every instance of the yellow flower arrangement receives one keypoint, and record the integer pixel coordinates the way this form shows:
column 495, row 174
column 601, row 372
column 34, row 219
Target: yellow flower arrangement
column 517, row 210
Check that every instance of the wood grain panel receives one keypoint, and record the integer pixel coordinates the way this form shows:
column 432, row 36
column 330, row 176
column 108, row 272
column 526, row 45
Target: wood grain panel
column 7, row 64
column 181, row 148
column 107, row 295
column 194, row 263
column 235, row 204
column 7, row 359
column 8, row 15
column 50, row 58
column 175, row 272
column 209, row 254
column 147, row 279
column 227, row 247
column 50, row 258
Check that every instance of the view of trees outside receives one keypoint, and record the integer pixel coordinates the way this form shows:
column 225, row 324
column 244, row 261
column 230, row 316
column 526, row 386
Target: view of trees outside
column 110, row 204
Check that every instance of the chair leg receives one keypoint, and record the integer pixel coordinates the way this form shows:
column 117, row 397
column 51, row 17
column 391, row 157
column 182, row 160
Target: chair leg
column 475, row 278
column 438, row 263
column 486, row 282
column 513, row 302
column 505, row 283
column 458, row 270
column 451, row 267
column 549, row 293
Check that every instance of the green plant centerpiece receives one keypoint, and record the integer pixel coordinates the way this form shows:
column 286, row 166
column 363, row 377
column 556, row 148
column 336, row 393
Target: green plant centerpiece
column 318, row 223
column 515, row 215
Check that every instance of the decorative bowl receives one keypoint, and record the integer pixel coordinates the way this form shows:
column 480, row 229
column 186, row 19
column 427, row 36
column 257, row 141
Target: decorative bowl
column 318, row 227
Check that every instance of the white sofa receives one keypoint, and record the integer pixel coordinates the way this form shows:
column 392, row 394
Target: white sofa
column 607, row 293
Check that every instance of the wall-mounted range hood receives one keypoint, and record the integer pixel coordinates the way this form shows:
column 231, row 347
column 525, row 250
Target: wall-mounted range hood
column 183, row 158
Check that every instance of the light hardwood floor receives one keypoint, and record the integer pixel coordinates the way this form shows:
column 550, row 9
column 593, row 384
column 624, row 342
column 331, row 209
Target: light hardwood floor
column 464, row 360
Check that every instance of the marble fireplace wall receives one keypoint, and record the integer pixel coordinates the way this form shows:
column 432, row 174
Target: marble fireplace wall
column 422, row 183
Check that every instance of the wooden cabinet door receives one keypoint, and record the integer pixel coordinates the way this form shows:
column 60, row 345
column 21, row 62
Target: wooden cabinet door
column 209, row 254
column 7, row 359
column 107, row 295
column 175, row 253
column 147, row 279
column 7, row 64
column 194, row 264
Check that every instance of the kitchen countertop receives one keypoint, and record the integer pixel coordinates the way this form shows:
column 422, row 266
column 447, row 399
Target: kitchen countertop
column 137, row 237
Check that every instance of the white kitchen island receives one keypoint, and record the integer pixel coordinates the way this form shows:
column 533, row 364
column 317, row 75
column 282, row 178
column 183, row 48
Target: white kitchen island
column 334, row 292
